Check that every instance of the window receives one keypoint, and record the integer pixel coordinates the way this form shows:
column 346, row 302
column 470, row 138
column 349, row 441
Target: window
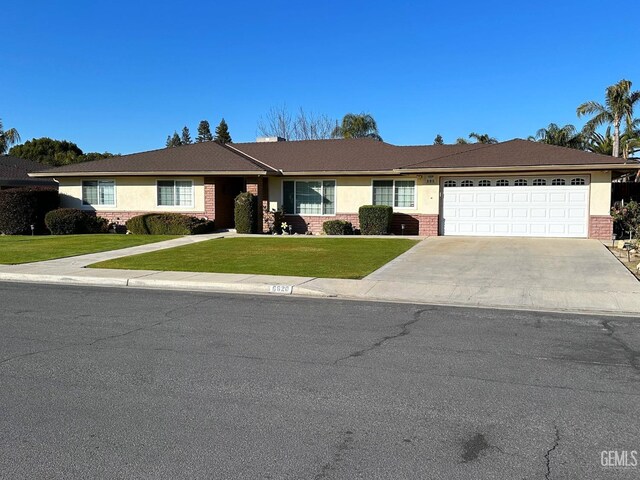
column 309, row 197
column 450, row 183
column 395, row 193
column 466, row 183
column 99, row 192
column 502, row 183
column 539, row 182
column 577, row 181
column 558, row 182
column 175, row 193
column 484, row 183
column 521, row 182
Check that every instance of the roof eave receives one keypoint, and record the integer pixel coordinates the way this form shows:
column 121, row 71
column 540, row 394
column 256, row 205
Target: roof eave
column 610, row 166
column 150, row 173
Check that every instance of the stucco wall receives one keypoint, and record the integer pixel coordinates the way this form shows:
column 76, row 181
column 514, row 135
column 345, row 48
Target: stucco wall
column 132, row 194
column 600, row 197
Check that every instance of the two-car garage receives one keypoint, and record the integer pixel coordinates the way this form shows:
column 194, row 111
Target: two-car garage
column 516, row 206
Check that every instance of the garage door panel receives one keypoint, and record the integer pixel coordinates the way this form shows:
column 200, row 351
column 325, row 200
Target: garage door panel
column 541, row 211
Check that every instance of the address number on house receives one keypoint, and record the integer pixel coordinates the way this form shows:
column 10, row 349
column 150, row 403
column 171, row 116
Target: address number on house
column 282, row 289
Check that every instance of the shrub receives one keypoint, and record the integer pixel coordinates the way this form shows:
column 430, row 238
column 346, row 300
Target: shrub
column 71, row 221
column 22, row 207
column 337, row 227
column 375, row 219
column 626, row 219
column 168, row 224
column 245, row 213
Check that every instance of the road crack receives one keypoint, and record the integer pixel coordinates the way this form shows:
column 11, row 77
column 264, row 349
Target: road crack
column 633, row 356
column 404, row 330
column 338, row 455
column 167, row 318
column 547, row 456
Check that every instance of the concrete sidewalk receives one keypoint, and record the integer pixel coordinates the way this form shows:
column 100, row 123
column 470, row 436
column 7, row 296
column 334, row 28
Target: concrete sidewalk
column 377, row 287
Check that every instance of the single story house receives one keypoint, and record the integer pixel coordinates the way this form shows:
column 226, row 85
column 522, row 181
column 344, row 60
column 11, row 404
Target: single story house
column 514, row 188
column 14, row 172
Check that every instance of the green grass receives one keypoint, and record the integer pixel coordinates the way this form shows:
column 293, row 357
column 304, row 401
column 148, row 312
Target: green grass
column 23, row 249
column 305, row 257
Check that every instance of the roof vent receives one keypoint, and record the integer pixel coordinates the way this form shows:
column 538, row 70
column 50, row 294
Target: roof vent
column 270, row 139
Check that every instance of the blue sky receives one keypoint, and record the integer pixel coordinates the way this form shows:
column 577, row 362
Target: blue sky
column 120, row 76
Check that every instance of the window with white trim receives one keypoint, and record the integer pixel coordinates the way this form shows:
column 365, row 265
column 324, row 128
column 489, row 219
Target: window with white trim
column 484, row 183
column 556, row 182
column 394, row 193
column 521, row 182
column 309, row 197
column 99, row 192
column 577, row 181
column 539, row 182
column 175, row 193
column 466, row 183
column 502, row 183
column 450, row 183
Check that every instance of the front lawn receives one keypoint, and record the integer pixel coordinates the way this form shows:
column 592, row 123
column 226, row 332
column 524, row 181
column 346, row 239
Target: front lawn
column 24, row 249
column 305, row 257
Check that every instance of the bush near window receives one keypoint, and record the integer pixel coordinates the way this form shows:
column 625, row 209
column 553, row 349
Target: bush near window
column 168, row 224
column 245, row 213
column 337, row 227
column 375, row 219
column 71, row 221
column 22, row 207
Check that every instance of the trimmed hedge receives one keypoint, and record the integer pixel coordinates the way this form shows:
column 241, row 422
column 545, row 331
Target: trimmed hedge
column 375, row 219
column 168, row 224
column 22, row 207
column 245, row 213
column 71, row 221
column 337, row 227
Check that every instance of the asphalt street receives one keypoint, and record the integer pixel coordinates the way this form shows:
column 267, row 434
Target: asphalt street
column 126, row 383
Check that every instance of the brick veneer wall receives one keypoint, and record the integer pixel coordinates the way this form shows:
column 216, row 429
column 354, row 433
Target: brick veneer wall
column 416, row 224
column 600, row 227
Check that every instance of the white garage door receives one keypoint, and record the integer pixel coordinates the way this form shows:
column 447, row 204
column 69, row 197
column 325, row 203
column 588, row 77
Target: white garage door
column 547, row 206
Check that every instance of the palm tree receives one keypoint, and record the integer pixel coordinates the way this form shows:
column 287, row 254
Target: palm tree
column 483, row 138
column 598, row 143
column 357, row 126
column 7, row 138
column 619, row 103
column 566, row 136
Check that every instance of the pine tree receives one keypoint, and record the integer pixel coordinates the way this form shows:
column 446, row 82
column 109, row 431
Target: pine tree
column 168, row 142
column 222, row 133
column 204, row 132
column 174, row 140
column 186, row 136
column 438, row 140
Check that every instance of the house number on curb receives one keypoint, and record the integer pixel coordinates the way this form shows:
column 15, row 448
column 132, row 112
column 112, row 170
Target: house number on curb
column 285, row 289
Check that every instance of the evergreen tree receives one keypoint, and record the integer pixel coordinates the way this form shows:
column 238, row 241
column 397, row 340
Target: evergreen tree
column 222, row 133
column 438, row 140
column 186, row 136
column 204, row 132
column 174, row 141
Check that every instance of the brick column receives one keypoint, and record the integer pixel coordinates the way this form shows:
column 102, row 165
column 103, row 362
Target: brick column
column 601, row 227
column 210, row 198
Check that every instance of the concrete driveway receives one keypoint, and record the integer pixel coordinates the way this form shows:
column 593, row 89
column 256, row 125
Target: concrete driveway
column 572, row 274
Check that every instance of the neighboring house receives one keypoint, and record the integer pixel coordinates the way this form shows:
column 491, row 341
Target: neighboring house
column 14, row 172
column 514, row 188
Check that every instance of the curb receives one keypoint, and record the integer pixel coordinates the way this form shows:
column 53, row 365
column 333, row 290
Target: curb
column 257, row 288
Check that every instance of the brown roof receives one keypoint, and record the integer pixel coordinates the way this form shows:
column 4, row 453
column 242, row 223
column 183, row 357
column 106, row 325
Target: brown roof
column 198, row 157
column 14, row 171
column 514, row 153
column 348, row 156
